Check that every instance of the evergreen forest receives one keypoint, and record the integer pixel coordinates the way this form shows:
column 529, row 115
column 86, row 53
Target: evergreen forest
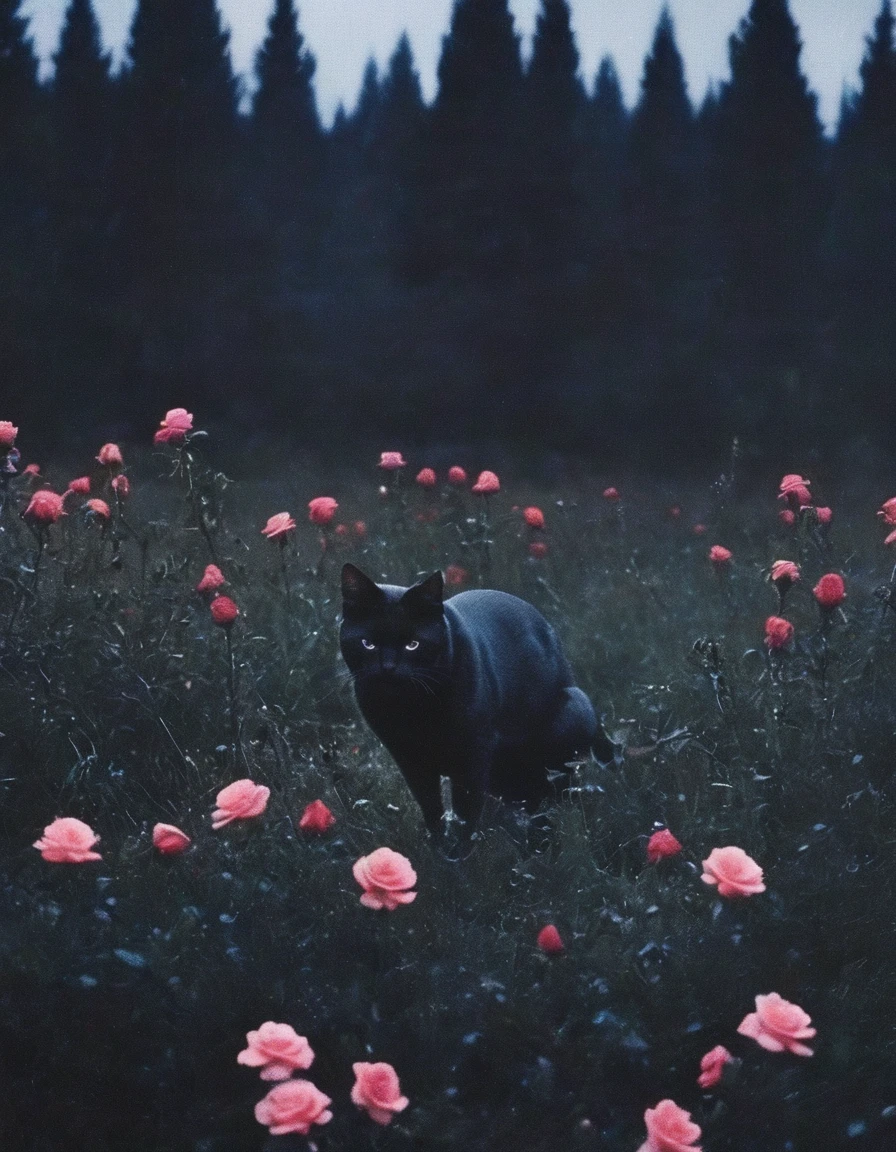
column 524, row 257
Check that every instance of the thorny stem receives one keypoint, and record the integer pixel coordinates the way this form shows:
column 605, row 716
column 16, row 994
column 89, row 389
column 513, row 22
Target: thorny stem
column 194, row 495
column 32, row 591
column 485, row 556
column 324, row 544
column 231, row 695
column 823, row 661
column 284, row 569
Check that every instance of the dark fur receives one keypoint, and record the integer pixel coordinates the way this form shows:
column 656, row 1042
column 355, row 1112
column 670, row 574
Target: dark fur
column 487, row 698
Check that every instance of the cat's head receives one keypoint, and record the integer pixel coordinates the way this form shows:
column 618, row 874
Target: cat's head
column 397, row 634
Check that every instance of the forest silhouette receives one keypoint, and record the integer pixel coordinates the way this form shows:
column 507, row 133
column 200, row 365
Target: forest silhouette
column 524, row 258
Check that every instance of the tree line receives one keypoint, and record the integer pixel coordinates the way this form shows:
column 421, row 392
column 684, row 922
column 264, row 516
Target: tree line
column 524, row 257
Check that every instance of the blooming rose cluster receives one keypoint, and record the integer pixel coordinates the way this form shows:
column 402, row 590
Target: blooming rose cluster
column 794, row 491
column 294, row 1105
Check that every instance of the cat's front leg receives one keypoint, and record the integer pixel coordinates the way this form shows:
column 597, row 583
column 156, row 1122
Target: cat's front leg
column 425, row 786
column 470, row 785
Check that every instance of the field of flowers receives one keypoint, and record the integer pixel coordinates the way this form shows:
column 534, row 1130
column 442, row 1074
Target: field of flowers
column 223, row 926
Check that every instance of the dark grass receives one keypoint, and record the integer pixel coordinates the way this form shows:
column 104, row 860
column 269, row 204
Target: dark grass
column 127, row 986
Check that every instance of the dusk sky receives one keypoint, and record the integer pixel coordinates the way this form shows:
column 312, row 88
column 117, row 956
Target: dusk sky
column 343, row 33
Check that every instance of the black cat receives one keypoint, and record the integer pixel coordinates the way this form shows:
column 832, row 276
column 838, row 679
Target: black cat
column 476, row 689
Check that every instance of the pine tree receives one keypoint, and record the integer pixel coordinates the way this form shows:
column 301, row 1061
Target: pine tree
column 470, row 212
column 285, row 125
column 768, row 154
column 400, row 113
column 364, row 116
column 604, row 127
column 83, row 123
column 661, row 225
column 23, row 256
column 82, row 210
column 179, row 192
column 393, row 154
column 609, row 121
column 862, row 249
column 19, row 92
column 660, row 171
column 555, row 99
column 180, row 131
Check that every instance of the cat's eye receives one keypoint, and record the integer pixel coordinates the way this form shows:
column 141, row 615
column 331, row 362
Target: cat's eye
column 412, row 645
column 369, row 645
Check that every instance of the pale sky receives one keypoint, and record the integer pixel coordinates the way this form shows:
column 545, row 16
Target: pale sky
column 342, row 34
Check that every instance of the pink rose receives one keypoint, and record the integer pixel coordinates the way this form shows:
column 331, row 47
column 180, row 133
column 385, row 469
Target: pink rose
column 45, row 507
column 550, row 941
column 99, row 508
column 385, row 877
column 712, row 1066
column 277, row 1049
column 278, row 525
column 734, row 871
column 317, row 817
column 81, row 485
column 661, row 845
column 795, row 490
column 240, row 800
column 224, row 611
column 830, row 591
column 68, row 841
column 8, row 433
column 169, row 840
column 426, row 478
column 174, row 428
column 670, row 1129
column 486, row 484
column 391, row 461
column 212, row 578
column 110, row 456
column 322, row 509
column 377, row 1090
column 293, row 1107
column 778, row 1026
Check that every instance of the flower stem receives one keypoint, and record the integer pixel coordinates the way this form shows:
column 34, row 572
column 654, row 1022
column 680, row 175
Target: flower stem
column 231, row 696
column 285, row 572
column 35, row 575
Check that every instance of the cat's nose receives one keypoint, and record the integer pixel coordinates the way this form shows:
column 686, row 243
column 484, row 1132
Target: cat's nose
column 388, row 661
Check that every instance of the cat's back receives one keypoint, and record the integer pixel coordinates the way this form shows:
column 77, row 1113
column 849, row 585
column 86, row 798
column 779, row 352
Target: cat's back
column 506, row 631
column 488, row 608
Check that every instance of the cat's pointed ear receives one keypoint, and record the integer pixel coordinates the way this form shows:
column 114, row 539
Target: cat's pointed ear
column 425, row 596
column 358, row 591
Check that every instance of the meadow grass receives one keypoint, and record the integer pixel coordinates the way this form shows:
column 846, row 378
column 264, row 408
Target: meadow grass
column 128, row 985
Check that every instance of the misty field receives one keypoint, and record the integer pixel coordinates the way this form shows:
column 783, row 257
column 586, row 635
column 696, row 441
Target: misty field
column 128, row 984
